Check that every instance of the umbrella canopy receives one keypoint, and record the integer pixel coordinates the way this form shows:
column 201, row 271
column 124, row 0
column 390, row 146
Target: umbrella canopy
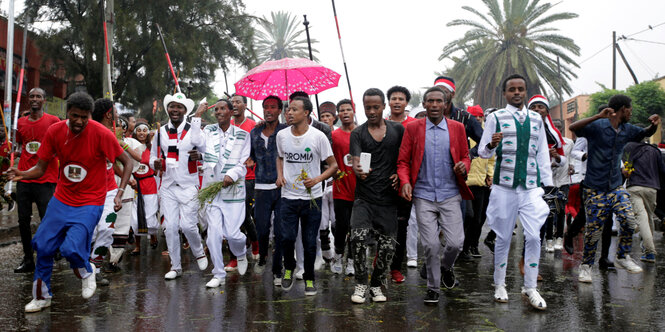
column 284, row 77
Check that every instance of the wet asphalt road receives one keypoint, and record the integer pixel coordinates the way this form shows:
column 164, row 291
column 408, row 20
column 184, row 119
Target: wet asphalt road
column 140, row 299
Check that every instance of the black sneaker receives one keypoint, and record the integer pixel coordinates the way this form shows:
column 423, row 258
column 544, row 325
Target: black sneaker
column 11, row 206
column 287, row 280
column 490, row 244
column 464, row 256
column 605, row 264
column 310, row 288
column 568, row 244
column 475, row 253
column 432, row 297
column 423, row 271
column 26, row 266
column 448, row 278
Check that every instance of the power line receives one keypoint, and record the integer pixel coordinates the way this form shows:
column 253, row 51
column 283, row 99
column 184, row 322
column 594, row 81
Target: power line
column 646, row 41
column 647, row 29
column 589, row 58
column 625, row 37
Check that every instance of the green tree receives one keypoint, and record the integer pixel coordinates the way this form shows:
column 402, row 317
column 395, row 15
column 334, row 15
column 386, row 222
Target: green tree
column 281, row 36
column 599, row 98
column 515, row 37
column 201, row 36
column 648, row 98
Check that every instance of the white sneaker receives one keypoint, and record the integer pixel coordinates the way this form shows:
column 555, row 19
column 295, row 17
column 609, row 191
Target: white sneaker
column 628, row 264
column 215, row 282
column 558, row 244
column 549, row 247
column 318, row 263
column 299, row 273
column 88, row 285
column 202, row 262
column 534, row 297
column 585, row 274
column 277, row 280
column 500, row 294
column 115, row 254
column 328, row 254
column 172, row 275
column 359, row 294
column 412, row 262
column 37, row 305
column 350, row 270
column 242, row 265
column 377, row 294
column 336, row 266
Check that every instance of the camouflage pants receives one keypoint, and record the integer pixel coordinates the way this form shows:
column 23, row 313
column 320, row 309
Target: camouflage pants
column 599, row 208
column 382, row 221
column 385, row 250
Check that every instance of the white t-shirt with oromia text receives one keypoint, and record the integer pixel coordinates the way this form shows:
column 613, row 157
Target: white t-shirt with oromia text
column 302, row 155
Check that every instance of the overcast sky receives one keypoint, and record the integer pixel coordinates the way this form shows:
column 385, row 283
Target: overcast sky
column 392, row 42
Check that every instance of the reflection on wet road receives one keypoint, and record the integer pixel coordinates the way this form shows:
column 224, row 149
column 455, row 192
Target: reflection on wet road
column 140, row 299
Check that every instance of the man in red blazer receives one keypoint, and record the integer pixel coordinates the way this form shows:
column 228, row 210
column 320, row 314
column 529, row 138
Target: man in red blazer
column 432, row 165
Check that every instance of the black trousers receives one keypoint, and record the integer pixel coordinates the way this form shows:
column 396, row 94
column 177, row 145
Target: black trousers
column 403, row 215
column 475, row 218
column 343, row 211
column 26, row 194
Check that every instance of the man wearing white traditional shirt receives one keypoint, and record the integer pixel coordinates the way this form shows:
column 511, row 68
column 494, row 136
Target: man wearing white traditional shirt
column 517, row 136
column 175, row 149
column 227, row 148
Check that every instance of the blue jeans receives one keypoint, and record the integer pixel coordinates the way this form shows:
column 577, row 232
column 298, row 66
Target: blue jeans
column 309, row 216
column 266, row 202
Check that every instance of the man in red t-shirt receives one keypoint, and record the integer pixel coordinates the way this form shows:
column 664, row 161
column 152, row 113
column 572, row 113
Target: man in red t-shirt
column 31, row 130
column 344, row 185
column 240, row 120
column 82, row 148
column 398, row 98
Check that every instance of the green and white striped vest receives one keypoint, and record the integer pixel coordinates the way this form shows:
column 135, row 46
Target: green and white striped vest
column 516, row 163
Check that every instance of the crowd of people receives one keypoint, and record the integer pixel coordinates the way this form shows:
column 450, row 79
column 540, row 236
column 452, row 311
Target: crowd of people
column 302, row 194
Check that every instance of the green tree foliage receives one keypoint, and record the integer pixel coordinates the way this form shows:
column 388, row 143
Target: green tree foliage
column 201, row 36
column 600, row 98
column 648, row 98
column 281, row 36
column 513, row 37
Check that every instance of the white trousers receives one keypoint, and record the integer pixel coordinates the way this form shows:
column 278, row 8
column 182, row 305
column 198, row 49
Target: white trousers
column 151, row 204
column 505, row 205
column 179, row 206
column 327, row 209
column 412, row 236
column 124, row 218
column 224, row 221
column 103, row 234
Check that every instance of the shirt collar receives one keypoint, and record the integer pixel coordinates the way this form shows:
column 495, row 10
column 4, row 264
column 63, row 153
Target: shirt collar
column 513, row 109
column 443, row 124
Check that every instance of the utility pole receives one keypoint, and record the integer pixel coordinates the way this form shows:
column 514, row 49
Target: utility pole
column 563, row 122
column 309, row 45
column 632, row 73
column 614, row 60
column 9, row 69
column 107, row 72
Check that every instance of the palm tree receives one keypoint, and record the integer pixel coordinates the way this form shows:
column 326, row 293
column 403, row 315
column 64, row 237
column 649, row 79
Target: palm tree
column 283, row 36
column 515, row 38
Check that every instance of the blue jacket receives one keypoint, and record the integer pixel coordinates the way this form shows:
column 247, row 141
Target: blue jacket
column 606, row 145
column 265, row 159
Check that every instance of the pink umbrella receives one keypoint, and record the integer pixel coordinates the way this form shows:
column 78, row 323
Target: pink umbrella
column 284, row 77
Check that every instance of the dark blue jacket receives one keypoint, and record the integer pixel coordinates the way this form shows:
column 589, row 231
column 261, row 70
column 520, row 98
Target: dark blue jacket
column 647, row 162
column 265, row 159
column 603, row 172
